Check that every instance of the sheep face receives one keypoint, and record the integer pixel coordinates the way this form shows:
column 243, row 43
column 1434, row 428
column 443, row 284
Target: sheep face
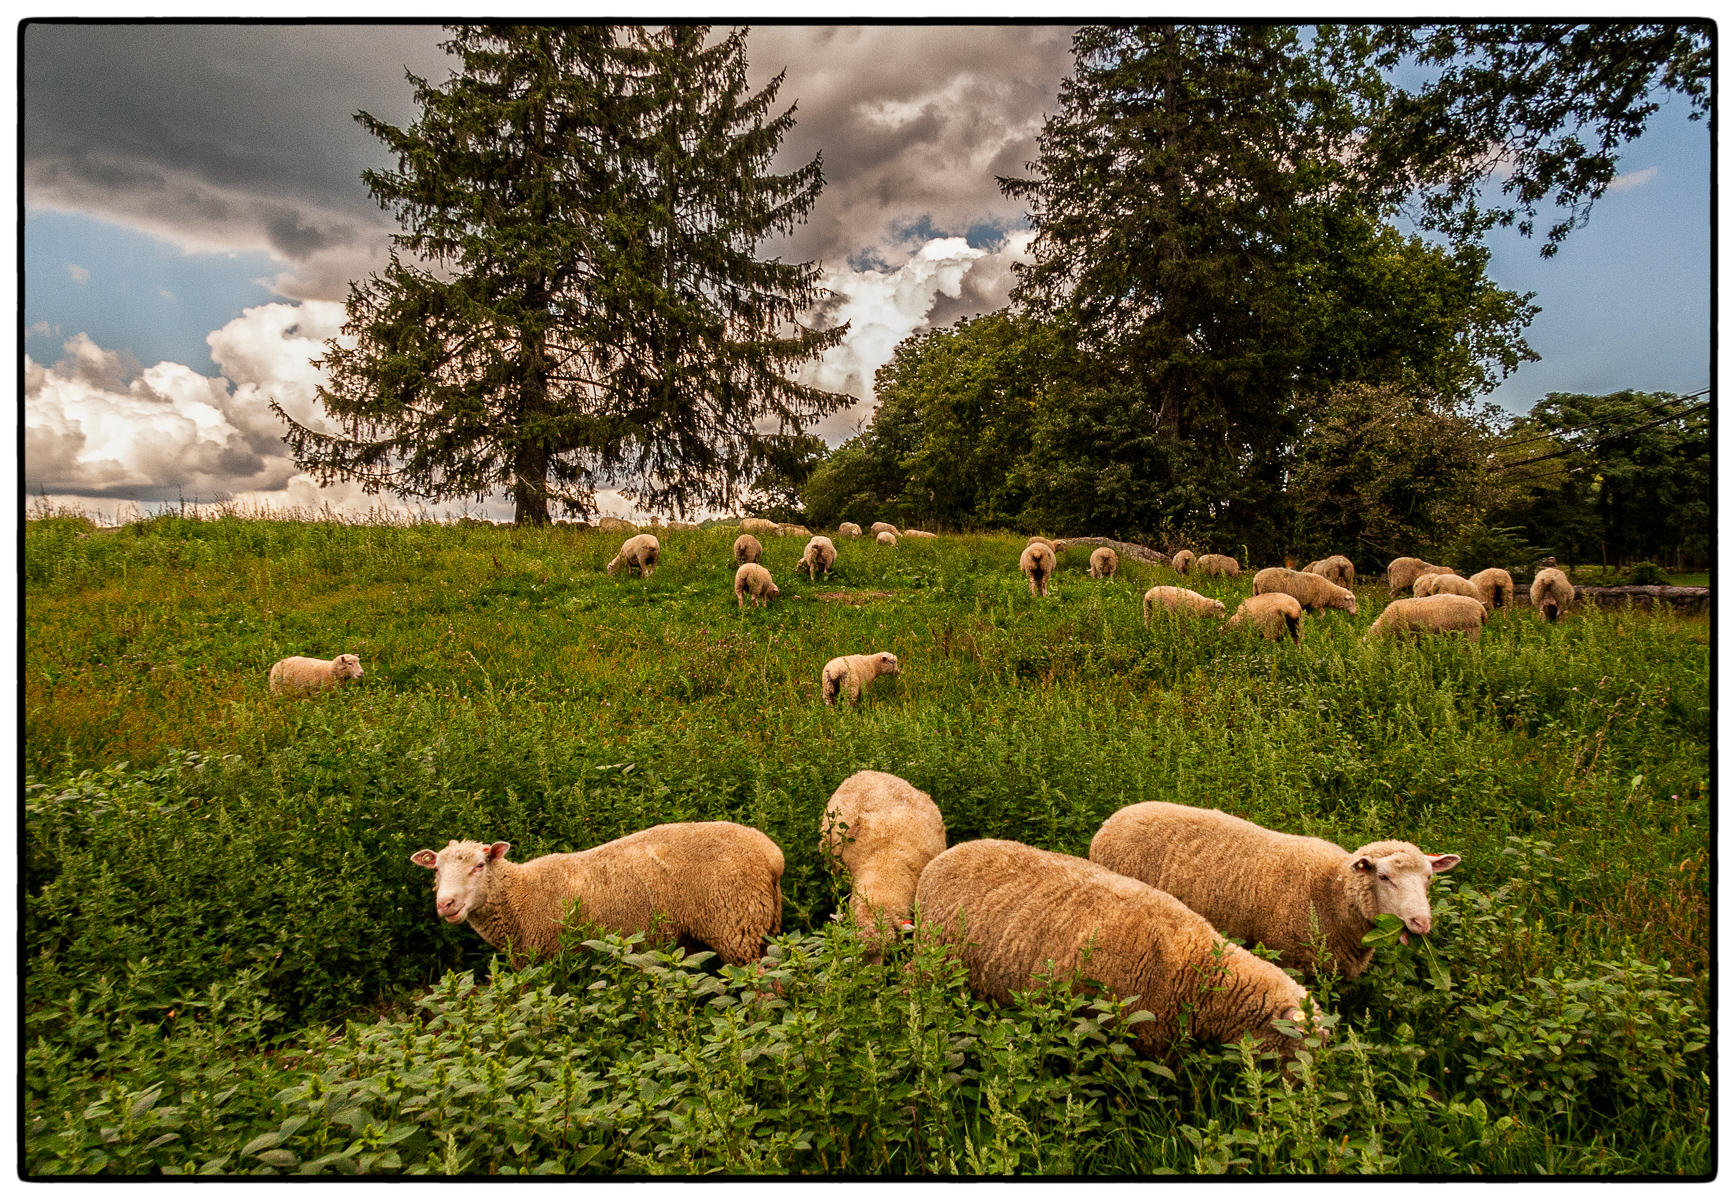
column 460, row 875
column 1397, row 876
column 345, row 667
column 885, row 664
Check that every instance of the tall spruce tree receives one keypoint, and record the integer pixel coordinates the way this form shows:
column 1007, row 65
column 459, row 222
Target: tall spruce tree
column 577, row 301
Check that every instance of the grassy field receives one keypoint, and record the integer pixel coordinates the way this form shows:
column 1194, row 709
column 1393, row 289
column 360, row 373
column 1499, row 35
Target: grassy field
column 232, row 966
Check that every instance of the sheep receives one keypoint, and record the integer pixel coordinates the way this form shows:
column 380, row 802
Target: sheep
column 785, row 529
column 1402, row 572
column 1273, row 614
column 1217, row 564
column 1012, row 912
column 1445, row 613
column 879, row 527
column 919, row 533
column 751, row 579
column 850, row 673
column 1181, row 600
column 886, row 537
column 758, row 525
column 306, row 676
column 1314, row 592
column 849, row 529
column 1494, row 587
column 1037, row 563
column 1551, row 591
column 639, row 553
column 1182, row 561
column 748, row 549
column 681, row 527
column 1103, row 563
column 1445, row 583
column 819, row 556
column 615, row 525
column 884, row 831
column 1059, row 547
column 1337, row 568
column 696, row 884
column 1287, row 891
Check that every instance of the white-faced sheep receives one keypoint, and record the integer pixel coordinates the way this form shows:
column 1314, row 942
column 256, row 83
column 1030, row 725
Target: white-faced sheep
column 1445, row 583
column 1103, row 563
column 849, row 529
column 748, row 549
column 758, row 525
column 1430, row 614
column 1182, row 562
column 305, row 676
column 1180, row 600
column 884, row 830
column 1315, row 593
column 1059, row 547
column 818, row 557
column 1551, row 591
column 753, row 580
column 1494, row 586
column 1337, row 568
column 879, row 527
column 1275, row 615
column 638, row 553
column 1037, row 563
column 1287, row 891
column 701, row 884
column 849, row 674
column 1217, row 564
column 886, row 537
column 1401, row 574
column 1013, row 913
column 615, row 525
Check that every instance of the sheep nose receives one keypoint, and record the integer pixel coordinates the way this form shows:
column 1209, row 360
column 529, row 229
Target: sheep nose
column 445, row 907
column 1421, row 924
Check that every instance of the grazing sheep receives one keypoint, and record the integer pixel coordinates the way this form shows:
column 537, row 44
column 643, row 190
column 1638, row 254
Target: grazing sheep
column 751, row 579
column 1103, row 563
column 819, row 556
column 1181, row 600
column 640, row 553
column 884, row 831
column 784, row 529
column 849, row 529
column 1402, row 572
column 306, row 676
column 886, row 537
column 758, row 525
column 1217, row 564
column 615, row 525
column 1551, row 591
column 1337, row 568
column 850, row 673
column 1182, row 561
column 1445, row 583
column 1274, row 614
column 1444, row 613
column 748, row 549
column 1281, row 889
column 919, row 533
column 1037, row 563
column 1494, row 587
column 703, row 884
column 1315, row 592
column 879, row 527
column 1059, row 547
column 1012, row 913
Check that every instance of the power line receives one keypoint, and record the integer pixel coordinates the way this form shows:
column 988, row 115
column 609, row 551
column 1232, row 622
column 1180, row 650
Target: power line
column 1664, row 420
column 1638, row 412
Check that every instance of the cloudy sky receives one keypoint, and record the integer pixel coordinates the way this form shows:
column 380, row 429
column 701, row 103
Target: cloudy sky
column 194, row 214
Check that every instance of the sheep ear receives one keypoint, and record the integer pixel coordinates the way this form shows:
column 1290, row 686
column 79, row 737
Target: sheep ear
column 498, row 850
column 1443, row 862
column 424, row 858
column 1364, row 863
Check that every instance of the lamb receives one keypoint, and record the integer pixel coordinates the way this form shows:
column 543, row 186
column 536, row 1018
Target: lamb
column 884, row 831
column 697, row 884
column 819, row 556
column 1551, row 591
column 1337, row 568
column 1445, row 583
column 886, row 537
column 1181, row 600
column 1494, row 587
column 1402, row 572
column 1182, row 561
column 1217, row 564
column 758, row 525
column 849, row 674
column 1444, row 613
column 751, row 579
column 307, row 676
column 1012, row 912
column 1273, row 614
column 1103, row 563
column 1287, row 891
column 879, row 527
column 849, row 529
column 748, row 549
column 640, row 553
column 1037, row 563
column 1315, row 592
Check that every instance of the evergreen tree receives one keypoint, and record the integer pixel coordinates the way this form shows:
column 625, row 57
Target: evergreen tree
column 576, row 301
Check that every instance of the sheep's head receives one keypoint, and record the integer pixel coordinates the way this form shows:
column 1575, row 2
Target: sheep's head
column 1347, row 602
column 1394, row 878
column 345, row 666
column 460, row 875
column 885, row 664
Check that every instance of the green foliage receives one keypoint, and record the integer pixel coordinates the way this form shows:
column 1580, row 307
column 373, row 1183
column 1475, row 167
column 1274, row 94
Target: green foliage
column 232, row 967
